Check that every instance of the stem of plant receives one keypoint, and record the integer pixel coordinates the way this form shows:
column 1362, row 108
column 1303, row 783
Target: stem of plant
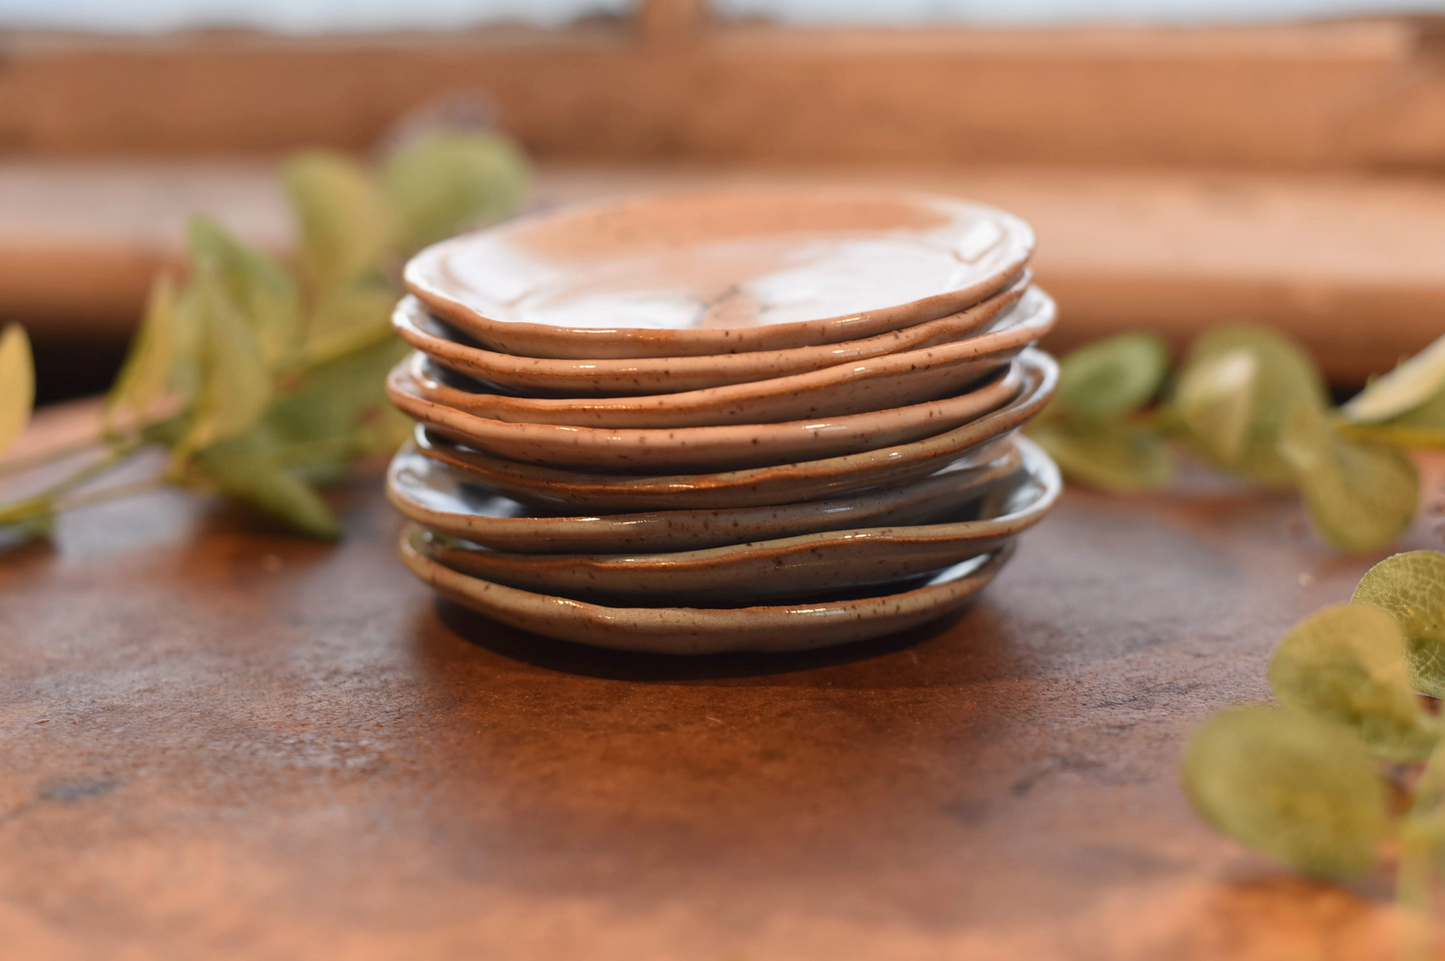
column 45, row 502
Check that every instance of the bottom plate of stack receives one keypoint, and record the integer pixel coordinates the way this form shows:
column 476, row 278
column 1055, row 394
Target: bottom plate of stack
column 780, row 593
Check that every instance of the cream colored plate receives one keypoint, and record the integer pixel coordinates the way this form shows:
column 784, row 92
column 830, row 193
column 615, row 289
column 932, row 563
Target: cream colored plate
column 792, row 567
column 718, row 272
column 727, row 447
column 896, row 380
column 440, row 497
column 691, row 630
column 755, row 487
column 611, row 377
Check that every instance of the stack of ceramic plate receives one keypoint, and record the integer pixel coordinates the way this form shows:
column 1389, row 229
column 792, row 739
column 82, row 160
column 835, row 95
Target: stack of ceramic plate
column 757, row 419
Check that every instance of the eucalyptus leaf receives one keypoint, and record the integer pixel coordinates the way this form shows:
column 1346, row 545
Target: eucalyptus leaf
column 339, row 411
column 347, row 318
column 1429, row 416
column 146, row 374
column 1215, row 400
column 1233, row 393
column 1111, row 378
column 1346, row 664
column 345, row 227
column 235, row 384
column 1411, row 588
column 440, row 184
column 262, row 290
column 1109, row 456
column 244, row 467
column 1419, row 379
column 1360, row 496
column 17, row 383
column 1304, row 792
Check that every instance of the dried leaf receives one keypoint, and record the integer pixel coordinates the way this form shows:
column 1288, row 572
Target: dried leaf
column 440, row 184
column 1360, row 496
column 1109, row 456
column 1411, row 588
column 1346, row 664
column 17, row 383
column 345, row 227
column 1304, row 792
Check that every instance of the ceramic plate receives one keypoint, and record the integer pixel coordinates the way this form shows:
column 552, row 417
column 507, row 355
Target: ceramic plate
column 718, row 272
column 613, row 377
column 691, row 630
column 726, row 447
column 895, row 380
column 756, row 487
column 440, row 497
column 796, row 568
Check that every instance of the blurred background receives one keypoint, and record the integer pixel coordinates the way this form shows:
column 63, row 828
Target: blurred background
column 1185, row 162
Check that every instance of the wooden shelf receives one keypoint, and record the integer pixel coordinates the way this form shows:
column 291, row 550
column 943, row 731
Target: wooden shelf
column 1353, row 265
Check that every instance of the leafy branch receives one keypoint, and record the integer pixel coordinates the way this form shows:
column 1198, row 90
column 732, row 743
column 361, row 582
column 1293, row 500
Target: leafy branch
column 1348, row 776
column 1250, row 402
column 262, row 380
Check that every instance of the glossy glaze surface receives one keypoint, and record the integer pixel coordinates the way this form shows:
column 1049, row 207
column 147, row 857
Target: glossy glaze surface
column 754, row 487
column 819, row 565
column 440, row 497
column 596, row 377
column 719, row 271
column 691, row 630
column 727, row 447
column 895, row 380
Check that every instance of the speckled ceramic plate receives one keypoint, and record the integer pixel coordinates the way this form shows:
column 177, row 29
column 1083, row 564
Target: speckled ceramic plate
column 719, row 271
column 613, row 377
column 692, row 630
column 726, row 447
column 857, row 387
column 565, row 490
column 440, row 497
column 793, row 568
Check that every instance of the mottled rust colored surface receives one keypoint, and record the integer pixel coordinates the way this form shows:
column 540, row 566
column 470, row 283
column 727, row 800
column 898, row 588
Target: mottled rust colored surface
column 220, row 742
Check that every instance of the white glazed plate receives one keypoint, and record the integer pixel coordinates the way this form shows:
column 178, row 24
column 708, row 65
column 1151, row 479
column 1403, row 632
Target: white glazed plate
column 754, row 487
column 690, row 630
column 797, row 567
column 719, row 272
column 895, row 380
column 440, row 497
column 726, row 447
column 612, row 377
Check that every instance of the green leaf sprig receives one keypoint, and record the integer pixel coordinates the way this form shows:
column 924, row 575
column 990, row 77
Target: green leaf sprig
column 261, row 380
column 1347, row 775
column 1250, row 402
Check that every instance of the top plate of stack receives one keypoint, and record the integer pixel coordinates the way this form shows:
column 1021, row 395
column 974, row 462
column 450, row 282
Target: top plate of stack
column 726, row 271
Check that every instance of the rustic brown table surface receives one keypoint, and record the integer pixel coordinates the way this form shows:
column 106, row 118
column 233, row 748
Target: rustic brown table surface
column 218, row 741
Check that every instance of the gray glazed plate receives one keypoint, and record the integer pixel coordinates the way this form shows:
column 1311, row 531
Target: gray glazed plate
column 725, row 447
column 719, row 271
column 619, row 377
column 440, row 497
column 690, row 630
column 794, row 568
column 755, row 487
column 857, row 387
